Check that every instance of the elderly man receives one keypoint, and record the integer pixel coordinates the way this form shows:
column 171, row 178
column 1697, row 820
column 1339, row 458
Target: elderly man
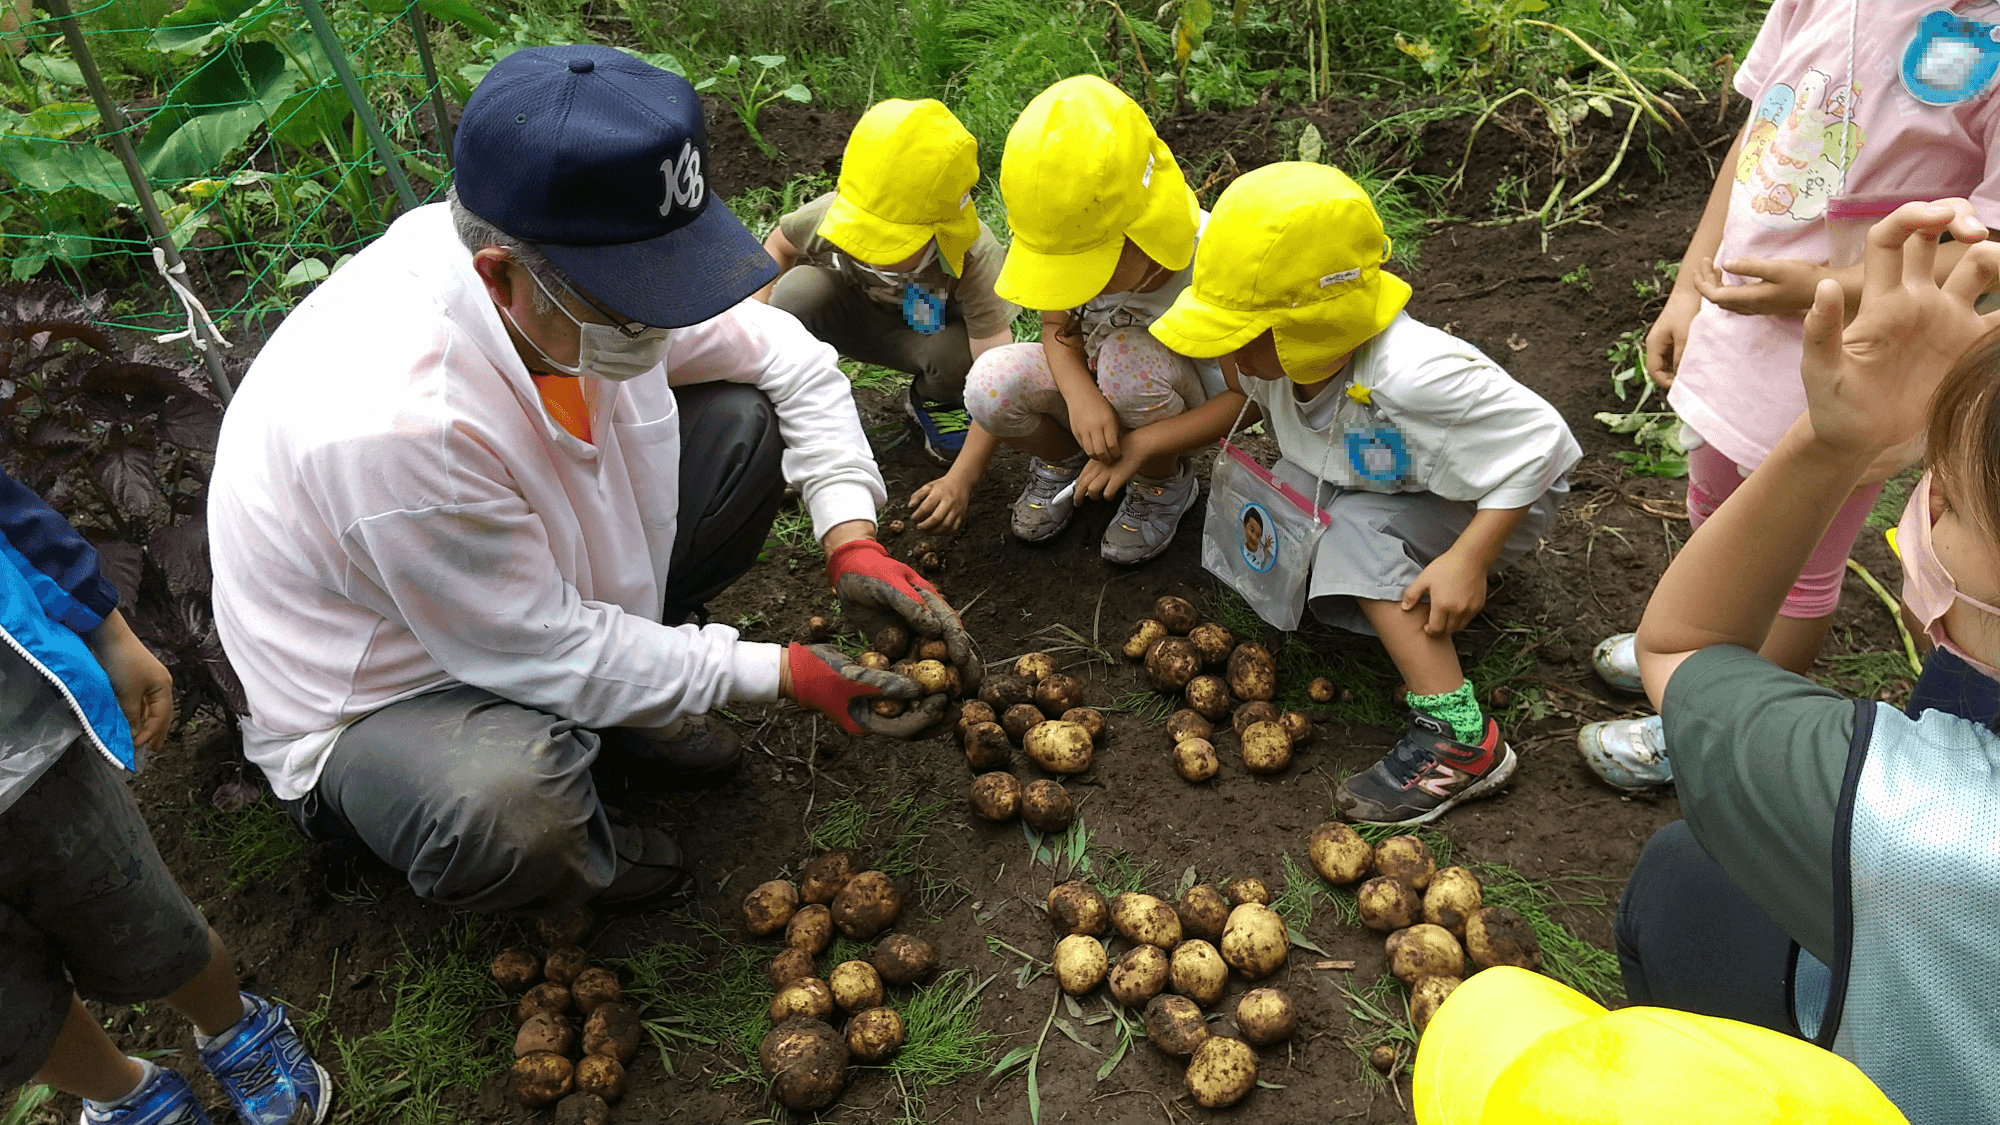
column 475, row 485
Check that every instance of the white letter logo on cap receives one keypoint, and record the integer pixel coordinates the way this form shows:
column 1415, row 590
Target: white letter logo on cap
column 685, row 185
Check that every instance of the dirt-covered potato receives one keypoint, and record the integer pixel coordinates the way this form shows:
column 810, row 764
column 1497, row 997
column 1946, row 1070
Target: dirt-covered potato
column 1424, row 950
column 1002, row 692
column 516, row 970
column 1021, row 718
column 542, row 1078
column 1183, row 725
column 1388, row 904
column 602, row 1076
column 767, row 908
column 1214, row 641
column 874, row 1036
column 1453, row 896
column 789, row 965
column 1195, row 759
column 1059, row 747
column 903, row 959
column 1056, row 693
column 934, row 650
column 987, row 747
column 1047, row 806
column 582, row 1109
column 1204, row 912
column 1247, row 888
column 1252, row 672
column 1077, row 908
column 892, row 641
column 1339, row 853
column 1495, row 935
column 810, row 999
column 1080, row 964
column 1144, row 920
column 1426, row 997
column 935, row 677
column 1266, row 748
column 1177, row 614
column 1139, row 975
column 1145, row 634
column 889, row 708
column 544, row 1032
column 856, row 986
column 1406, row 858
column 1321, row 690
column 1174, row 1025
column 613, row 1030
column 1383, row 1058
column 875, row 660
column 1255, row 711
column 1208, row 696
column 1198, row 972
column 867, row 905
column 595, row 988
column 974, row 711
column 811, row 929
column 1172, row 663
column 1222, row 1072
column 1254, row 942
column 1035, row 665
column 996, row 796
column 807, row 1063
column 544, row 997
column 570, row 929
column 1266, row 1016
column 822, row 878
column 1089, row 718
column 1297, row 725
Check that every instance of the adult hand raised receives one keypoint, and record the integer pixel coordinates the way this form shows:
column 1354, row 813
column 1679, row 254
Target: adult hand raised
column 864, row 575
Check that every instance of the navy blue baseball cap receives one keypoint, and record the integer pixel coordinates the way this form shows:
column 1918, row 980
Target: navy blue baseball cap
column 601, row 161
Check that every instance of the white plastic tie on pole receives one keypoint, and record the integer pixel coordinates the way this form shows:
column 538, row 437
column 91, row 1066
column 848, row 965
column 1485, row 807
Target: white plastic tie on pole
column 197, row 314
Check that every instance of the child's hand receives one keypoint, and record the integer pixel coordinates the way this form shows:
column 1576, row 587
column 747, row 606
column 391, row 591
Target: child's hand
column 1456, row 584
column 1784, row 286
column 1095, row 425
column 1667, row 339
column 144, row 687
column 1100, row 480
column 941, row 504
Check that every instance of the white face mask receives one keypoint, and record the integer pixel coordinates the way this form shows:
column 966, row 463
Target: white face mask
column 602, row 350
column 899, row 277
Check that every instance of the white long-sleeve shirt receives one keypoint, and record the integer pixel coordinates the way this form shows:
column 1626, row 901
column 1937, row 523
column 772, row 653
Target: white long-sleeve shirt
column 393, row 511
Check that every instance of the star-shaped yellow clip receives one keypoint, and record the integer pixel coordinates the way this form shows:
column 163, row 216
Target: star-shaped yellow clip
column 1361, row 394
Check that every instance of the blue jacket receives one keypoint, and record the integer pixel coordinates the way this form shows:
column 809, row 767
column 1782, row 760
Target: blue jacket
column 51, row 591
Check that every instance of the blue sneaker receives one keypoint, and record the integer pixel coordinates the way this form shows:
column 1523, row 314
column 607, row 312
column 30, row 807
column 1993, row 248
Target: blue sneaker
column 942, row 427
column 263, row 1066
column 166, row 1100
column 1628, row 754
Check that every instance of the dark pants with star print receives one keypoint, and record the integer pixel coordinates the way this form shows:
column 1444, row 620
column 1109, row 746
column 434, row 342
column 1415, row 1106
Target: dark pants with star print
column 86, row 905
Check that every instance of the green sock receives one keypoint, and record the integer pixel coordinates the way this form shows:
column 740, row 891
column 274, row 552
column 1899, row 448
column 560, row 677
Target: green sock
column 1460, row 708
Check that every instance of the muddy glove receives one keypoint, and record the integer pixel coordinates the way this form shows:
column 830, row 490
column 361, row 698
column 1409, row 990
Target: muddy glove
column 824, row 679
column 863, row 574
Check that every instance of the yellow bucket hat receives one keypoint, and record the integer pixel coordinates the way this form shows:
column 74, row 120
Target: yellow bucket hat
column 906, row 178
column 1295, row 248
column 1084, row 171
column 1511, row 1047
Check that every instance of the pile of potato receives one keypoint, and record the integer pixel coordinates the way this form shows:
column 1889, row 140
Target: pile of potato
column 552, row 1062
column 1435, row 918
column 1178, row 962
column 1041, row 709
column 926, row 661
column 1177, row 647
column 805, row 1058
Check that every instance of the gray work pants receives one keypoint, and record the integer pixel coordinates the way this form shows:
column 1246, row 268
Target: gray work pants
column 841, row 315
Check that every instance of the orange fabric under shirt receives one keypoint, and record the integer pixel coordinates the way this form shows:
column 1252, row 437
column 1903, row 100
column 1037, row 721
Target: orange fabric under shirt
column 562, row 397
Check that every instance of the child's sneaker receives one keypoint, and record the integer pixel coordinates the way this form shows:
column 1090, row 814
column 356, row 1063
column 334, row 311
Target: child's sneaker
column 1149, row 515
column 942, row 427
column 1426, row 774
column 1629, row 754
column 263, row 1066
column 1617, row 662
column 1038, row 514
column 165, row 1100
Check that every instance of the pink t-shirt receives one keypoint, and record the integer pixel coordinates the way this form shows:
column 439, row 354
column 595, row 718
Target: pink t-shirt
column 1840, row 137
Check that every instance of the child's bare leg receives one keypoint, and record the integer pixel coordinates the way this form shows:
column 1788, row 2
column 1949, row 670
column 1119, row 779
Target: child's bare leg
column 85, row 1061
column 1050, row 440
column 212, row 999
column 1429, row 665
column 1794, row 642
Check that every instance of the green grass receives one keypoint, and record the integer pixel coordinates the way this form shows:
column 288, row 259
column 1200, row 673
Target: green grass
column 1381, row 1014
column 1887, row 511
column 1146, row 706
column 1122, row 873
column 907, row 823
column 1565, row 956
column 895, row 829
column 841, row 824
column 259, row 839
column 27, row 1104
column 943, row 1041
column 793, row 530
column 707, row 996
column 1872, row 674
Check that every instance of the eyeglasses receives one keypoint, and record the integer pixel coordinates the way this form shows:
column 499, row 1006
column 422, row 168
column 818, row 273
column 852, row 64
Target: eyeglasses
column 630, row 329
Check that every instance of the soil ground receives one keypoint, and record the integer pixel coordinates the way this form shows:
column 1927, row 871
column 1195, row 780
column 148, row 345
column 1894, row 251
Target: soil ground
column 326, row 933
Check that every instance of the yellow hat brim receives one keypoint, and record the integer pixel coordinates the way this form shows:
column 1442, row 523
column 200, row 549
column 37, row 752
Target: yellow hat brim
column 1195, row 328
column 1308, row 345
column 1035, row 280
column 1487, row 1023
column 871, row 238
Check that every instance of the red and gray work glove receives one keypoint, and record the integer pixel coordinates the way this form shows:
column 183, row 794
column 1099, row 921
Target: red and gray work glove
column 863, row 574
column 824, row 679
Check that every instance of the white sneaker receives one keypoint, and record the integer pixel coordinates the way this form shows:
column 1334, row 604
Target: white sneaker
column 1616, row 660
column 1046, row 504
column 1629, row 754
column 1149, row 515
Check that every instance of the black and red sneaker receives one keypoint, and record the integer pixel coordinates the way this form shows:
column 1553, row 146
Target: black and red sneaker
column 1426, row 774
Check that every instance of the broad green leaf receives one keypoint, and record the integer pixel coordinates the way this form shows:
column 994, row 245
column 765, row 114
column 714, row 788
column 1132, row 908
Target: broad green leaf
column 767, row 61
column 798, row 92
column 307, row 272
column 1239, row 13
column 209, row 116
column 50, row 166
column 464, row 13
column 53, row 68
column 1199, row 14
column 195, row 26
column 25, row 266
column 661, row 59
column 1063, row 1026
column 1311, row 144
column 705, row 84
column 57, row 120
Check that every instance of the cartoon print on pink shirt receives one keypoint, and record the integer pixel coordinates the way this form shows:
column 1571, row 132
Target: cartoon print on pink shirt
column 1799, row 148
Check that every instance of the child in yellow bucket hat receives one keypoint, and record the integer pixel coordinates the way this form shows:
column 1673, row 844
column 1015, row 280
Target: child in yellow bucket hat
column 894, row 268
column 1104, row 235
column 1438, row 468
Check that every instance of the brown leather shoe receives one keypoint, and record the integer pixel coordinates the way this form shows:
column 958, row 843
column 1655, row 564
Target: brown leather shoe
column 697, row 747
column 650, row 870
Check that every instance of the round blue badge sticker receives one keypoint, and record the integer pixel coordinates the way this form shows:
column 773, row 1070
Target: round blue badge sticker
column 922, row 309
column 1378, row 454
column 1260, row 538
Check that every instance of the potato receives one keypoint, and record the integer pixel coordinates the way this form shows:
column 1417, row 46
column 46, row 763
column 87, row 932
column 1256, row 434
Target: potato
column 1321, row 690
column 807, row 1062
column 1195, row 759
column 902, row 959
column 809, row 999
column 1174, row 1025
column 1036, row 665
column 544, row 1032
column 1297, row 725
column 1405, row 858
column 1183, row 725
column 1139, row 975
column 1266, row 748
column 602, row 1076
column 987, row 747
column 553, row 999
column 1495, row 935
column 1089, row 718
column 1198, row 972
column 1339, row 853
column 1059, row 747
column 1172, row 663
column 974, row 711
column 996, row 796
column 1424, row 950
column 1214, row 642
column 1077, row 908
column 1255, row 711
column 819, row 628
column 822, row 878
column 1002, row 692
column 892, row 641
column 1266, row 1016
column 1080, row 964
column 1021, row 718
column 1144, row 920
column 613, row 1030
column 1383, row 1058
column 1252, row 672
column 1222, row 1072
column 1204, row 912
column 596, row 987
column 1388, row 904
column 1209, row 697
column 888, row 708
column 874, row 660
column 874, row 1036
column 867, row 905
column 789, row 965
column 811, row 929
column 934, row 650
column 1247, row 888
column 582, row 1109
column 767, row 908
column 542, row 1078
column 1177, row 614
column 570, row 929
column 1426, row 997
column 1145, row 634
column 934, row 677
column 1057, row 693
column 856, row 986
column 1453, row 897
column 516, row 969
column 1047, row 806
column 1254, row 942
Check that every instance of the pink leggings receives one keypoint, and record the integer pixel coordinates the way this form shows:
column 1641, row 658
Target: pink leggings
column 1711, row 479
